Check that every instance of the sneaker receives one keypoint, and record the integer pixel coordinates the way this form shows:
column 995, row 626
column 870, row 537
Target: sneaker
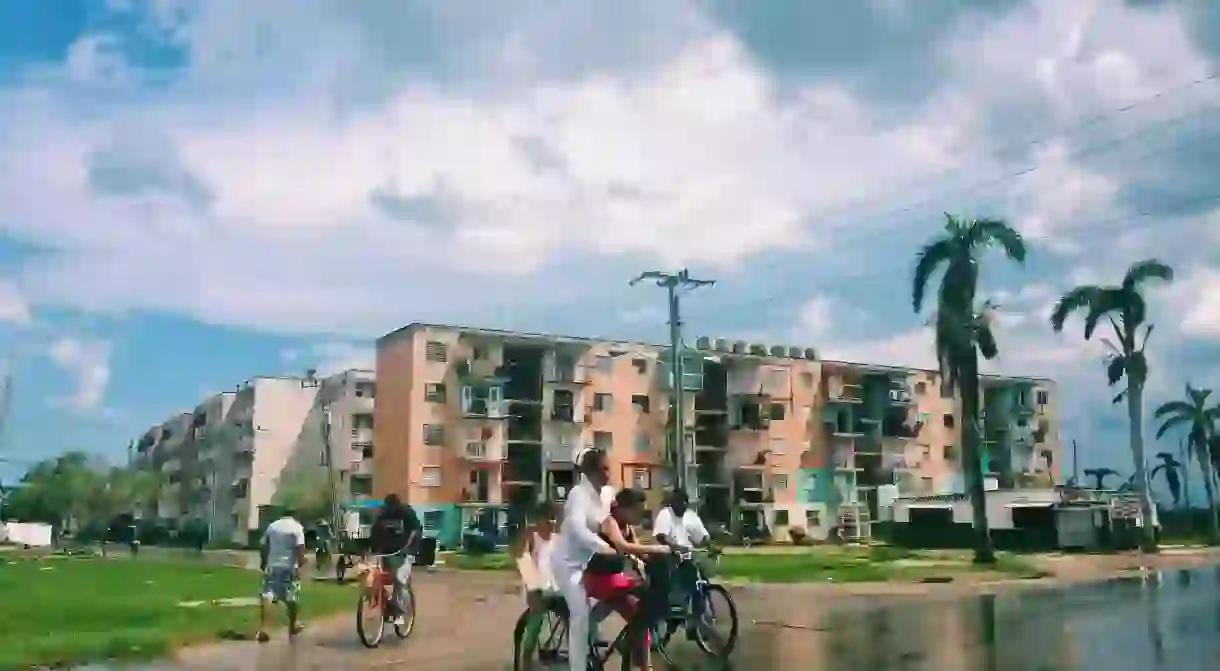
column 399, row 621
column 296, row 629
column 262, row 637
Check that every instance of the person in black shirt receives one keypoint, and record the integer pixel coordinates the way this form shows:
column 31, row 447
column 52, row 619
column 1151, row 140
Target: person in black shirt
column 395, row 534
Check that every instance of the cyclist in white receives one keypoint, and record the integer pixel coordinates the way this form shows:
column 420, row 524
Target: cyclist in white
column 585, row 515
column 680, row 527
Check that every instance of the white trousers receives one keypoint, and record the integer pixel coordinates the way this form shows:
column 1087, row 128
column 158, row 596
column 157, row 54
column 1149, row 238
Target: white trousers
column 573, row 590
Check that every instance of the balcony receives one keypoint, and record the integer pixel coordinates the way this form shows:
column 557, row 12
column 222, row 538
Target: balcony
column 241, row 488
column 481, row 451
column 361, row 466
column 568, row 413
column 561, row 453
column 362, row 435
column 474, row 495
column 840, row 391
column 484, row 408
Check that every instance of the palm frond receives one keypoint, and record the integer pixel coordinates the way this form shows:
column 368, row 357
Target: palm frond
column 988, row 348
column 1172, row 422
column 1115, row 369
column 927, row 262
column 1174, row 408
column 1119, row 397
column 1105, row 303
column 1077, row 299
column 997, row 232
column 1142, row 271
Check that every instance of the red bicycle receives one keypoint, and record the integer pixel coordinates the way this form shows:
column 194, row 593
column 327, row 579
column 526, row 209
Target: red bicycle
column 376, row 603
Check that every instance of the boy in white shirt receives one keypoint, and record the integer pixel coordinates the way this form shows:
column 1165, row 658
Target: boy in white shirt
column 282, row 555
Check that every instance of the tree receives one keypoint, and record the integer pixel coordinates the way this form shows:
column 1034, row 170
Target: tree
column 49, row 489
column 1193, row 414
column 1171, row 469
column 1125, row 308
column 963, row 333
column 1099, row 476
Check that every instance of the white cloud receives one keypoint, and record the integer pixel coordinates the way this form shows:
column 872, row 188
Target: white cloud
column 13, row 307
column 87, row 363
column 331, row 357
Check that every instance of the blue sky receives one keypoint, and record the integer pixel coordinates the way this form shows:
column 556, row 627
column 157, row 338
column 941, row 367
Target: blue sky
column 192, row 193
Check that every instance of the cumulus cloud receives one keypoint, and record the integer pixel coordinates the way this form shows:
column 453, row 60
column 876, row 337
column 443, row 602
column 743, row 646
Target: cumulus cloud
column 87, row 363
column 329, row 358
column 515, row 165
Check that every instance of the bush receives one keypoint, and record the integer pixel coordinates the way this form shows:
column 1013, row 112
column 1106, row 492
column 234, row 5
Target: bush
column 798, row 535
column 478, row 544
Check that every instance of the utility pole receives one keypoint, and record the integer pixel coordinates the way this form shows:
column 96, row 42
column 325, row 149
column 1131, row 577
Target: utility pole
column 1075, row 464
column 672, row 282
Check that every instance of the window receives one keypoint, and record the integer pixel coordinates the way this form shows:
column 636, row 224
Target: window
column 478, row 353
column 436, row 351
column 640, row 401
column 813, row 518
column 434, row 434
column 434, row 392
column 921, row 387
column 641, row 478
column 946, row 391
column 433, row 519
column 807, row 379
column 643, row 443
column 925, row 485
column 1022, row 399
column 430, row 476
column 781, row 482
column 777, row 412
column 362, row 485
column 777, row 446
column 781, row 518
column 602, row 402
column 641, row 365
column 950, row 453
column 605, row 364
column 949, row 421
column 366, row 389
column 925, row 453
column 476, row 450
column 603, row 441
column 1043, row 397
column 366, row 452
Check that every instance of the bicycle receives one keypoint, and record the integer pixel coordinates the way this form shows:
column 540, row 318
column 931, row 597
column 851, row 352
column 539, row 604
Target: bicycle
column 375, row 597
column 697, row 620
column 552, row 649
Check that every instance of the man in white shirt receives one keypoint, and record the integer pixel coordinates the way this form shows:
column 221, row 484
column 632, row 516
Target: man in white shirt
column 282, row 555
column 681, row 528
column 584, row 511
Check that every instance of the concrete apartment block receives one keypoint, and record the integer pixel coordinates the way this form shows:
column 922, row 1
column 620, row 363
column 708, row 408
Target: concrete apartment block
column 233, row 456
column 468, row 420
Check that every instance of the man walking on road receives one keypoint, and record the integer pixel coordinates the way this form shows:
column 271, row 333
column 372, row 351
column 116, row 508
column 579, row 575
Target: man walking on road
column 282, row 554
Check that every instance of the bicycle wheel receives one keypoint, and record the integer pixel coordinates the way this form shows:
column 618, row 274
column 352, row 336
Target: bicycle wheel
column 407, row 611
column 707, row 638
column 340, row 568
column 371, row 604
column 552, row 641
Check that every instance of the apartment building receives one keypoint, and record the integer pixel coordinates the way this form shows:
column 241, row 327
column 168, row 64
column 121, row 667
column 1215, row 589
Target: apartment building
column 233, row 455
column 471, row 419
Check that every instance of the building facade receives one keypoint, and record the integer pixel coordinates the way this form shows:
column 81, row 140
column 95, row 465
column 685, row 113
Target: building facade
column 239, row 452
column 469, row 420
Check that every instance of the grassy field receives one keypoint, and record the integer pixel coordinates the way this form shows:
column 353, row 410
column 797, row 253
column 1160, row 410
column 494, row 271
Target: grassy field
column 56, row 611
column 783, row 564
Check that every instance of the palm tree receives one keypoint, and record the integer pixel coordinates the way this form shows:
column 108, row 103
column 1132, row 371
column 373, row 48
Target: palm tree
column 1099, row 476
column 1193, row 414
column 1171, row 469
column 963, row 333
column 1124, row 306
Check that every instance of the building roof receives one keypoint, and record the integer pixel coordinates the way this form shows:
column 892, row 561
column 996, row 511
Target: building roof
column 502, row 333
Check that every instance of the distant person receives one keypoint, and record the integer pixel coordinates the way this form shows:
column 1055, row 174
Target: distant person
column 532, row 548
column 281, row 554
column 395, row 535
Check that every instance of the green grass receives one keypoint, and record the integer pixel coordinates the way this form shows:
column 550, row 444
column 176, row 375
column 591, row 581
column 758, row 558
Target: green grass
column 815, row 564
column 65, row 611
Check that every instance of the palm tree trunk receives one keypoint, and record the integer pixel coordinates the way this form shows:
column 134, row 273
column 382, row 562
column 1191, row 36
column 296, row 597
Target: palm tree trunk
column 972, row 463
column 1213, row 519
column 1135, row 416
column 1184, row 457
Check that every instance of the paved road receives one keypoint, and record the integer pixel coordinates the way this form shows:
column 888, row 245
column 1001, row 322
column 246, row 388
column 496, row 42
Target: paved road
column 1168, row 620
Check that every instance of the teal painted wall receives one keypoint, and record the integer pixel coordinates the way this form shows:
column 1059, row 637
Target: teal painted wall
column 809, row 486
column 448, row 533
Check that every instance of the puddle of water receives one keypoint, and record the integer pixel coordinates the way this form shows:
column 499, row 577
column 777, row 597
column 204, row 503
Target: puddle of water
column 1153, row 621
